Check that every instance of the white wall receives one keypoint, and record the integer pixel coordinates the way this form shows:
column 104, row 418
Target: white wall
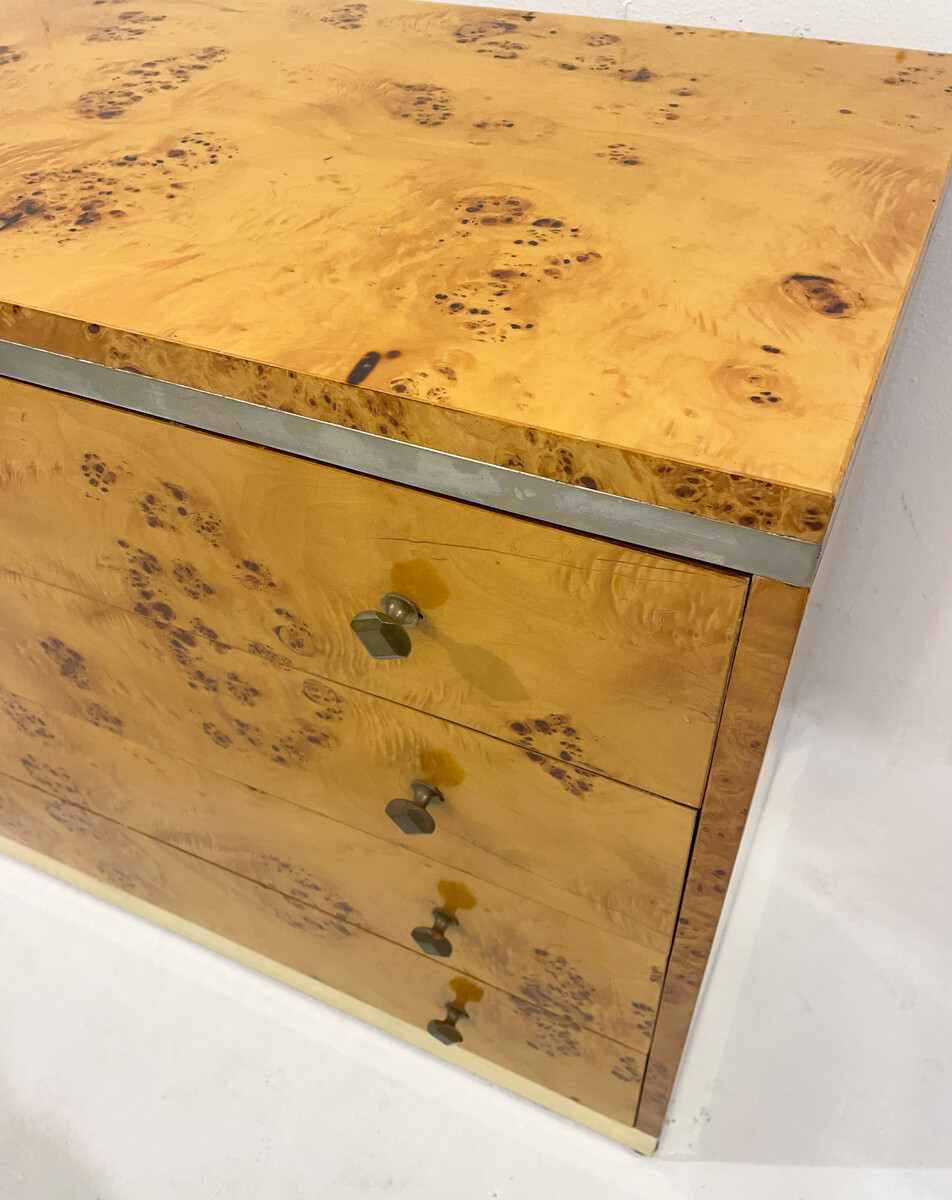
column 137, row 1067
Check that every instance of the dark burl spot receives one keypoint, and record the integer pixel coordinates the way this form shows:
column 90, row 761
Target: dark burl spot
column 207, row 526
column 297, row 638
column 644, row 1018
column 553, row 1036
column 218, row 736
column 388, row 413
column 98, row 476
column 501, row 48
column 495, row 304
column 425, row 104
column 50, row 779
column 20, row 211
column 157, row 612
column 294, row 634
column 558, row 987
column 27, row 722
column 71, row 664
column 824, row 295
column 241, row 690
column 113, row 874
column 9, row 55
column 300, row 916
column 363, row 367
column 70, row 816
column 269, row 655
column 627, row 1069
column 80, row 198
column 144, row 569
column 134, row 24
column 642, row 75
column 292, row 881
column 191, row 583
column 328, row 705
column 106, row 103
column 621, row 154
column 495, row 123
column 492, row 210
column 253, row 575
column 248, row 732
column 170, row 510
column 100, row 716
column 199, row 677
column 467, row 35
column 348, row 16
column 297, row 743
column 552, row 743
column 144, row 79
column 158, row 514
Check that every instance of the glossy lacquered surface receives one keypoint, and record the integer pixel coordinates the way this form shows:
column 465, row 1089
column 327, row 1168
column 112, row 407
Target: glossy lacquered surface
column 658, row 261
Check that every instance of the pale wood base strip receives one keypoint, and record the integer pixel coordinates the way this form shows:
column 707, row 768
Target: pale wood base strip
column 615, row 1130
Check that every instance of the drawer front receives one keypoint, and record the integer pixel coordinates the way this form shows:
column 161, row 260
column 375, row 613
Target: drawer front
column 583, row 653
column 559, row 963
column 554, row 1051
column 611, row 855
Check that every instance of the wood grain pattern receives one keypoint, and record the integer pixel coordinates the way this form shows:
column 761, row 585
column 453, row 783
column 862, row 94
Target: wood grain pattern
column 771, row 622
column 459, row 1056
column 562, row 965
column 686, row 487
column 583, row 247
column 585, row 653
column 609, row 855
column 555, row 1052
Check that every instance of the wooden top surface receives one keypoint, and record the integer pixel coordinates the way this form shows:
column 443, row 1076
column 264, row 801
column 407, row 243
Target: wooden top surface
column 678, row 253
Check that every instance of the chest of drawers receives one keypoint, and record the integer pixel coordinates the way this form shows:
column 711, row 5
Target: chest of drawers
column 419, row 427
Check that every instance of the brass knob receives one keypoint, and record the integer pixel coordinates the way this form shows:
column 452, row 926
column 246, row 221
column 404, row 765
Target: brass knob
column 445, row 1031
column 384, row 633
column 430, row 938
column 411, row 816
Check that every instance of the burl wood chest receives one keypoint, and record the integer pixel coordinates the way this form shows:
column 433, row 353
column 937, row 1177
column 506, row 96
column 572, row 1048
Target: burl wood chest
column 420, row 426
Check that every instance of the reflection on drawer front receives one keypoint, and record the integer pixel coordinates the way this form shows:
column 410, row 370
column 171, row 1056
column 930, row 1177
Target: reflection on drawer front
column 541, row 1045
column 590, row 654
column 597, row 849
column 564, row 966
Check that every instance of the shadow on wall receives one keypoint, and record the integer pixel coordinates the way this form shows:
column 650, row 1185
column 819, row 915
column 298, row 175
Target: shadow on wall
column 828, row 1037
column 876, row 644
column 38, row 1160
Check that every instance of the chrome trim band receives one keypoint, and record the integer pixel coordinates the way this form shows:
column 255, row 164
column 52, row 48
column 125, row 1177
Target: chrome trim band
column 634, row 522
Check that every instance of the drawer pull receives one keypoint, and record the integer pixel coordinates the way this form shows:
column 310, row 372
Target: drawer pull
column 384, row 633
column 445, row 1031
column 410, row 816
column 431, row 939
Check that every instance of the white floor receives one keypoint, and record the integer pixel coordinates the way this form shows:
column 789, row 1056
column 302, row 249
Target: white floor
column 135, row 1066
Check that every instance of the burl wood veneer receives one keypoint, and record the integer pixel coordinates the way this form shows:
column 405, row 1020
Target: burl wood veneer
column 590, row 262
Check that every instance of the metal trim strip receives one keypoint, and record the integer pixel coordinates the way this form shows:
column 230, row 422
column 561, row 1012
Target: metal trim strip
column 634, row 522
